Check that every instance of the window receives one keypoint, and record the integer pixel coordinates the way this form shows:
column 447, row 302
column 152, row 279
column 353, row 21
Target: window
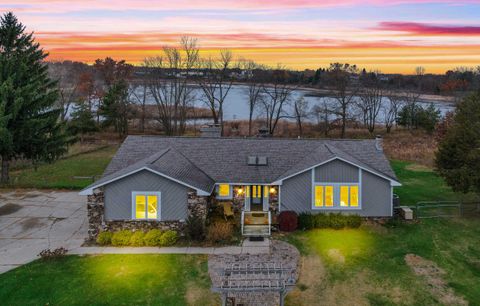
column 336, row 196
column 354, row 196
column 146, row 205
column 318, row 196
column 223, row 190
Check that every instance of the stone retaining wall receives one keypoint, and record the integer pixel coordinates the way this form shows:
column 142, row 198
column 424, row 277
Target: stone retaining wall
column 196, row 205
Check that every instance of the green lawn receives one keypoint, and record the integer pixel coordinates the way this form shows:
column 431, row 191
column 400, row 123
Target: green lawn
column 420, row 184
column 110, row 280
column 60, row 173
column 367, row 265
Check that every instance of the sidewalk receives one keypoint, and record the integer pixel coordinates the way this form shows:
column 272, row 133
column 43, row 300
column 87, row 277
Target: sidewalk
column 248, row 247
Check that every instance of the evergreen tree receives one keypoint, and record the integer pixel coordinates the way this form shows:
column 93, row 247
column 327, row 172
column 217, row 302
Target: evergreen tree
column 29, row 122
column 458, row 156
column 82, row 121
column 115, row 107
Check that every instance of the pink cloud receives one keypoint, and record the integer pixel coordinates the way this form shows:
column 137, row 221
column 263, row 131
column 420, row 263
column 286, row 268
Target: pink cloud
column 416, row 28
column 86, row 5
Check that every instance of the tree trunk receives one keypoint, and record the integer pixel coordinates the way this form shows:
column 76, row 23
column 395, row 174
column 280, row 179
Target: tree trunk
column 5, row 171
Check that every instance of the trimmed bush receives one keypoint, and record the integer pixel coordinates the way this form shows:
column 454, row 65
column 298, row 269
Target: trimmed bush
column 104, row 238
column 306, row 221
column 330, row 220
column 137, row 239
column 152, row 237
column 219, row 231
column 168, row 238
column 353, row 221
column 337, row 221
column 121, row 238
column 322, row 220
column 288, row 221
column 195, row 228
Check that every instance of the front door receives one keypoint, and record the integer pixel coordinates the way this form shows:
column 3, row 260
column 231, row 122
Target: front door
column 256, row 192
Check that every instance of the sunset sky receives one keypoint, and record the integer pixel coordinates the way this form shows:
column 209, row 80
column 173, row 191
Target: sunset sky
column 392, row 36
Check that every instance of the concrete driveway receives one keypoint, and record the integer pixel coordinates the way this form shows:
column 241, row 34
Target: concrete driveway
column 31, row 221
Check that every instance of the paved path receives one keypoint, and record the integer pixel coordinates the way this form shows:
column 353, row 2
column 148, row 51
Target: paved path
column 31, row 221
column 246, row 248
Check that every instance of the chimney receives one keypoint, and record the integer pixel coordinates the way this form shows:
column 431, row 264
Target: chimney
column 379, row 143
column 211, row 130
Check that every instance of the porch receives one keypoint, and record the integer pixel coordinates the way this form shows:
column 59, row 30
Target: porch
column 257, row 206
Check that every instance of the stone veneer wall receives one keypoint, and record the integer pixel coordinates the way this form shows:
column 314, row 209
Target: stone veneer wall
column 196, row 205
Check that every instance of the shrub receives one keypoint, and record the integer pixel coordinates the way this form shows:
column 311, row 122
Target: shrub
column 306, row 221
column 104, row 238
column 353, row 221
column 168, row 238
column 322, row 220
column 195, row 228
column 137, row 239
column 121, row 238
column 219, row 231
column 337, row 221
column 287, row 221
column 152, row 237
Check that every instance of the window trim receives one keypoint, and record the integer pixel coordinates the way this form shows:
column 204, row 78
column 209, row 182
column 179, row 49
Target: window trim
column 146, row 194
column 336, row 196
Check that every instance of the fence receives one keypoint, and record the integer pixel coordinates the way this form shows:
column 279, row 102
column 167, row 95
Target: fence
column 447, row 209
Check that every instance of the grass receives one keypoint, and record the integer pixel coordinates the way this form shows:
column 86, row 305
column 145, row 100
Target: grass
column 420, row 184
column 59, row 175
column 367, row 266
column 110, row 280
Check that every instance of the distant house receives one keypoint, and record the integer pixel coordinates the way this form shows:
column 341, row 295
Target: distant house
column 159, row 181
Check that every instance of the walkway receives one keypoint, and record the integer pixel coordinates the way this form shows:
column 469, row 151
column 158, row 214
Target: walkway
column 247, row 247
column 31, row 221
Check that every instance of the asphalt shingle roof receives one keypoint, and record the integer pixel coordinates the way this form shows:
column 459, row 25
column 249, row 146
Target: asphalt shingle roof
column 202, row 162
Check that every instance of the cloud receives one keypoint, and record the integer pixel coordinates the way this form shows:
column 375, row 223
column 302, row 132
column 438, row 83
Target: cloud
column 57, row 6
column 416, row 28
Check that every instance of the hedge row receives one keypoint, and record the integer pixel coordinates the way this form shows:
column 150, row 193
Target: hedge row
column 153, row 237
column 333, row 220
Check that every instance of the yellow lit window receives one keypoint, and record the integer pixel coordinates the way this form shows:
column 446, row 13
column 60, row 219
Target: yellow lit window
column 140, row 207
column 254, row 191
column 329, row 196
column 344, row 196
column 354, row 196
column 152, row 206
column 247, row 191
column 265, row 191
column 318, row 196
column 224, row 190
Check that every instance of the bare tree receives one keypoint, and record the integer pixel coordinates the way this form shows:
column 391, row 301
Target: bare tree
column 300, row 107
column 370, row 103
column 168, row 83
column 411, row 99
column 253, row 90
column 216, row 83
column 323, row 112
column 343, row 89
column 67, row 76
column 276, row 96
column 138, row 94
column 391, row 109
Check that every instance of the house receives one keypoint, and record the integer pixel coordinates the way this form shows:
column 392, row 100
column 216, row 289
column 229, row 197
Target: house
column 157, row 181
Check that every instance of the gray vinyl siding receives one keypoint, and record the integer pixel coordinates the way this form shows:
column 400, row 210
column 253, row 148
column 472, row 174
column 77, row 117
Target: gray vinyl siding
column 336, row 171
column 118, row 196
column 375, row 195
column 297, row 193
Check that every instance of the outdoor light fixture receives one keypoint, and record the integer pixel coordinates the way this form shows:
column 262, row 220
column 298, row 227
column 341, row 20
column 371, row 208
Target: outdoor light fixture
column 239, row 191
column 272, row 190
